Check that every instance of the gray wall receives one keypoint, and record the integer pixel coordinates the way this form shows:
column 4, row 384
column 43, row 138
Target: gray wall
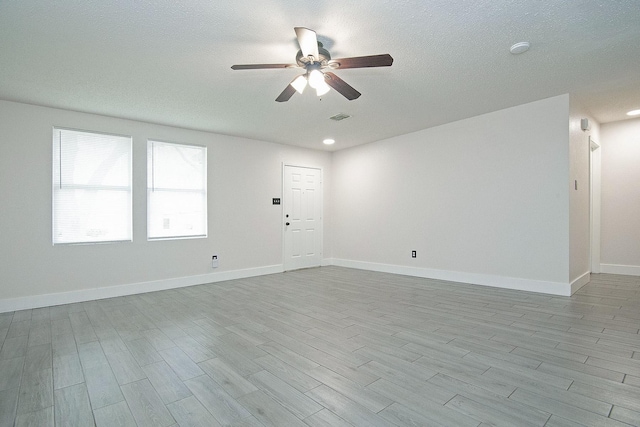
column 486, row 200
column 485, row 196
column 579, row 199
column 620, row 143
column 245, row 229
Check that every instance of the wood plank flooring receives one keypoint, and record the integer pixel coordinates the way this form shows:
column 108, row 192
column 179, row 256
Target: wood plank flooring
column 328, row 347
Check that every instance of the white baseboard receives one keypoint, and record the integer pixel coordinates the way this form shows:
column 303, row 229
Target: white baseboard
column 553, row 288
column 45, row 300
column 626, row 270
column 580, row 282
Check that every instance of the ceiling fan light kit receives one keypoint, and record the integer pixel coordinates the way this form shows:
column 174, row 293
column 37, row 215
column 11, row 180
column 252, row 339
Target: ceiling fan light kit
column 299, row 83
column 322, row 88
column 315, row 60
column 316, row 78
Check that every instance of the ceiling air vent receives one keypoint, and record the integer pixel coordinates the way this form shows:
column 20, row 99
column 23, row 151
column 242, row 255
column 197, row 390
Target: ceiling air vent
column 340, row 116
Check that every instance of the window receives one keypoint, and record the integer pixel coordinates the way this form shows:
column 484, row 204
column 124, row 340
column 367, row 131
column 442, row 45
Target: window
column 91, row 187
column 176, row 190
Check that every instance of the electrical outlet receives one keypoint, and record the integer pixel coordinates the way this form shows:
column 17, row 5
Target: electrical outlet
column 214, row 261
column 413, row 254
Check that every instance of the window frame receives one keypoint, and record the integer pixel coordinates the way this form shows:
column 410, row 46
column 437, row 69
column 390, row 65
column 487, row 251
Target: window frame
column 150, row 187
column 57, row 184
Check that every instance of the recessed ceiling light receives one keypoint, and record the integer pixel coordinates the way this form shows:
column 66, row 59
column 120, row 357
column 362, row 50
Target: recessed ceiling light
column 519, row 48
column 633, row 113
column 328, row 141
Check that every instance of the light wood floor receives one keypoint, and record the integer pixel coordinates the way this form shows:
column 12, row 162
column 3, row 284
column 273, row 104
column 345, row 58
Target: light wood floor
column 328, row 347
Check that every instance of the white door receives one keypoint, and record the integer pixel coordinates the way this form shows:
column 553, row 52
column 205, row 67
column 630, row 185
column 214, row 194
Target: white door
column 302, row 216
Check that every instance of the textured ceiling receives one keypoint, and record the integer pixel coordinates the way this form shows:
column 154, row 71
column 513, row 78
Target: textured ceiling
column 168, row 62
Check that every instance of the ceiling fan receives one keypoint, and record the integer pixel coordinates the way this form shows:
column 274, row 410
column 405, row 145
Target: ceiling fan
column 317, row 64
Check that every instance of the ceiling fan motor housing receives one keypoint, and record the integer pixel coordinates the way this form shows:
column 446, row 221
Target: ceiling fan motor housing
column 324, row 57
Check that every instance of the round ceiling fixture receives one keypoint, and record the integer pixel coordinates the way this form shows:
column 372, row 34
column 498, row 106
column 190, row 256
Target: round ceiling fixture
column 633, row 113
column 329, row 141
column 519, row 48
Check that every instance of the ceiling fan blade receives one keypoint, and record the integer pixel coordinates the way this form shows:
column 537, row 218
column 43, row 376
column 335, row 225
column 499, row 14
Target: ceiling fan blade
column 308, row 42
column 384, row 60
column 261, row 66
column 341, row 86
column 286, row 94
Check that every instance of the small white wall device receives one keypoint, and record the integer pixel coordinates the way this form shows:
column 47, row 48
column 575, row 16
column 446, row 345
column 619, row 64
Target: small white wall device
column 585, row 125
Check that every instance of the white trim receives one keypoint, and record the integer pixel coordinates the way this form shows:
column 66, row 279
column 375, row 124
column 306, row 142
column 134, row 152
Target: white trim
column 627, row 270
column 595, row 204
column 553, row 288
column 580, row 282
column 45, row 300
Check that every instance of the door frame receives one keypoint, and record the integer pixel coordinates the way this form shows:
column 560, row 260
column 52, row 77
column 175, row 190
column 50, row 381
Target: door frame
column 284, row 207
column 594, row 204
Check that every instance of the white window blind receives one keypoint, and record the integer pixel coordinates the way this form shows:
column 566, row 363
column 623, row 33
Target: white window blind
column 176, row 190
column 91, row 187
